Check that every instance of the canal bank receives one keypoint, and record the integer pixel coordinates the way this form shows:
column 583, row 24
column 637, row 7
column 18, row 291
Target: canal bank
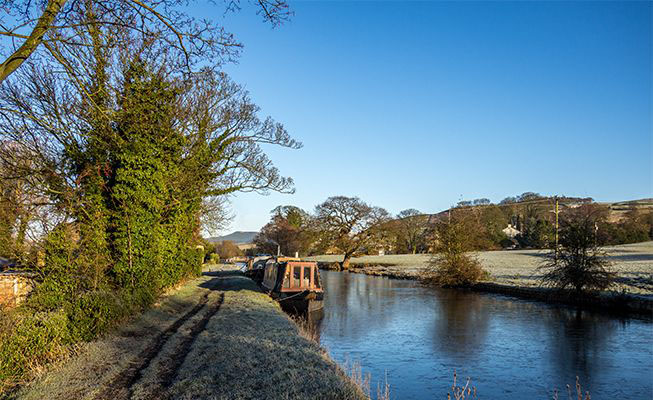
column 516, row 273
column 614, row 302
column 216, row 337
column 609, row 301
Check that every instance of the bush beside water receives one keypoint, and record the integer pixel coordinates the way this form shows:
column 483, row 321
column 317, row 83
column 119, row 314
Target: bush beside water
column 452, row 263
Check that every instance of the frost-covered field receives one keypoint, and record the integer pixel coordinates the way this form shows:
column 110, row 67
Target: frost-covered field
column 632, row 262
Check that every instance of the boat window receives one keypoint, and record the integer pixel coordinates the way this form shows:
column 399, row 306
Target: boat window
column 307, row 277
column 296, row 281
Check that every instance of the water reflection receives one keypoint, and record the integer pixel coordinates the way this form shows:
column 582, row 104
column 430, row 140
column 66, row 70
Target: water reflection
column 361, row 298
column 513, row 349
column 580, row 343
column 461, row 322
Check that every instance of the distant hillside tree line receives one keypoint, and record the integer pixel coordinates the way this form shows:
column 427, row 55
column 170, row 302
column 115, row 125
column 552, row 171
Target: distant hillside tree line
column 350, row 226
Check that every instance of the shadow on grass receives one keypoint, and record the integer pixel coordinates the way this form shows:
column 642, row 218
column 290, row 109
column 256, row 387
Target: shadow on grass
column 631, row 257
column 229, row 280
column 251, row 350
column 223, row 274
column 625, row 255
column 541, row 254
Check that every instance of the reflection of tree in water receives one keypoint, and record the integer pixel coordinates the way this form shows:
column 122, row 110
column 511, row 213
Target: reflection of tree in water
column 355, row 304
column 461, row 322
column 579, row 343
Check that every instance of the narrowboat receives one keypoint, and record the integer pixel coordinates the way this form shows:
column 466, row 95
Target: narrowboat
column 256, row 267
column 295, row 284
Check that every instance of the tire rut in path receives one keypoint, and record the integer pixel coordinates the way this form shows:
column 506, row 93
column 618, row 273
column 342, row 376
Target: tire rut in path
column 175, row 360
column 119, row 388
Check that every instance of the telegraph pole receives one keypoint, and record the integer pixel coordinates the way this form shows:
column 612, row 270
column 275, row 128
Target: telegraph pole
column 556, row 233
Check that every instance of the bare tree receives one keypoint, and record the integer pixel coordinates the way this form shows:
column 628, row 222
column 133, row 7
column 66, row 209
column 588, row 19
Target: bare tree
column 289, row 228
column 412, row 230
column 23, row 210
column 42, row 29
column 481, row 202
column 349, row 224
column 227, row 249
column 453, row 264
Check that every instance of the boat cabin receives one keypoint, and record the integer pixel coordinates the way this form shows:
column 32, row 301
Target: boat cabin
column 294, row 283
column 285, row 275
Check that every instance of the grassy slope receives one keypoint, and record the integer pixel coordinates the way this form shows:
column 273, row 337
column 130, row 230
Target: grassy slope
column 633, row 263
column 95, row 363
column 248, row 349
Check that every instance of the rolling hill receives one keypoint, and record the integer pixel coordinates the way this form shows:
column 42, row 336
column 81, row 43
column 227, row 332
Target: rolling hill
column 238, row 237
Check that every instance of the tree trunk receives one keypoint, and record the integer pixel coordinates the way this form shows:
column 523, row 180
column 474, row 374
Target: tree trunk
column 344, row 265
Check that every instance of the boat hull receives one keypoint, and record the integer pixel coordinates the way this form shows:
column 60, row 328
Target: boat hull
column 301, row 303
column 302, row 306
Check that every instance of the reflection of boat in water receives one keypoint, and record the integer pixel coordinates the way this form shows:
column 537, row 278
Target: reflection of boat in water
column 295, row 284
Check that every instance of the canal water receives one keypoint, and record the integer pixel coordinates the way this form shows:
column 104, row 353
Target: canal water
column 511, row 348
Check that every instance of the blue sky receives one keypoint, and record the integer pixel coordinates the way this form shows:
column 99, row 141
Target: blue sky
column 422, row 104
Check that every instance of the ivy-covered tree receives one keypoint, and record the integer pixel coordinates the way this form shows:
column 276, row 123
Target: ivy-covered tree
column 124, row 142
column 132, row 154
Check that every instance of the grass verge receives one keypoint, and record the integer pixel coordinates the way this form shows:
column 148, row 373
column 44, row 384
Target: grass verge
column 252, row 350
column 239, row 345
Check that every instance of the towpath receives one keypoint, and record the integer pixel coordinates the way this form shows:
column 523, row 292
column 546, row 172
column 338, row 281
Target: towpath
column 217, row 337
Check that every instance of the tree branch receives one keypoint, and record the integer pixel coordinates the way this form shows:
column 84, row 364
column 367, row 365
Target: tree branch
column 32, row 42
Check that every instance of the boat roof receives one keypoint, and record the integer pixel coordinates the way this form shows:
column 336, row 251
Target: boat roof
column 293, row 260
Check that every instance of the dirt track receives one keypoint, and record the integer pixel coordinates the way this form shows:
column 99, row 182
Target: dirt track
column 121, row 387
column 217, row 337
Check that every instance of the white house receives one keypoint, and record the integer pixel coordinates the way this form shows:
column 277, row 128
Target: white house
column 510, row 231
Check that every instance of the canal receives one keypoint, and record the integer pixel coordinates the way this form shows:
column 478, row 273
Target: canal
column 511, row 348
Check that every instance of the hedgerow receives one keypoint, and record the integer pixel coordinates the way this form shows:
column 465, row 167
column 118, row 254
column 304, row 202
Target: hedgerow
column 134, row 235
column 30, row 341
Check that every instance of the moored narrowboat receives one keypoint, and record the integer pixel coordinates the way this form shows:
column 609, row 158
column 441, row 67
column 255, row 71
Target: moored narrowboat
column 256, row 267
column 295, row 284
